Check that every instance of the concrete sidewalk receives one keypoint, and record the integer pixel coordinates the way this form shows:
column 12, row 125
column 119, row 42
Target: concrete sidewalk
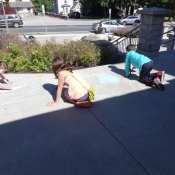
column 129, row 130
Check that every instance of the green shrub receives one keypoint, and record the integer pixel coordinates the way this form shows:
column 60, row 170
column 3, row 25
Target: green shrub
column 38, row 58
column 18, row 64
column 14, row 50
column 4, row 56
column 79, row 53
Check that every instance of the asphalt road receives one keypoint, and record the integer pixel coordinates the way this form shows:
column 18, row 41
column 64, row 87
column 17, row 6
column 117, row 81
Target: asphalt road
column 36, row 24
column 52, row 28
column 59, row 29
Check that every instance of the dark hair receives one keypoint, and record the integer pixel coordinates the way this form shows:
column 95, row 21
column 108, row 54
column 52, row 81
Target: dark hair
column 130, row 47
column 59, row 65
column 3, row 65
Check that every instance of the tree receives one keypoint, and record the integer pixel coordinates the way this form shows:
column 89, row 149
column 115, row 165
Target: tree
column 107, row 4
column 38, row 4
column 170, row 4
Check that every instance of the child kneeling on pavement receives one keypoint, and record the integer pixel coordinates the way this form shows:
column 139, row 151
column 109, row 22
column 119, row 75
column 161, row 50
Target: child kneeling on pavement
column 144, row 65
column 76, row 93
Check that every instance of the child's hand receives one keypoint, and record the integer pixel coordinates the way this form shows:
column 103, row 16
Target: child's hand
column 52, row 103
column 4, row 86
column 8, row 88
column 9, row 82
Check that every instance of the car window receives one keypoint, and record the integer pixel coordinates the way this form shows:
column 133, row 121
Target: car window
column 16, row 16
column 135, row 17
column 3, row 17
column 10, row 17
column 137, row 21
column 106, row 23
column 114, row 23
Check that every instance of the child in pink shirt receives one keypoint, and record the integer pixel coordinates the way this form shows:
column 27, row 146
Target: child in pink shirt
column 76, row 93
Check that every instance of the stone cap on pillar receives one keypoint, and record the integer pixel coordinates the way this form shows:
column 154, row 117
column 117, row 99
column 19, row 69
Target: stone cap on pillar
column 154, row 11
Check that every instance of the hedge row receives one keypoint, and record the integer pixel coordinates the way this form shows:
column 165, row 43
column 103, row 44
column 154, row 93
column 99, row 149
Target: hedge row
column 36, row 57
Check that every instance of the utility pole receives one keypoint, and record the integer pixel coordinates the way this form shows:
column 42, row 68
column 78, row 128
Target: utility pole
column 7, row 29
column 134, row 6
column 43, row 9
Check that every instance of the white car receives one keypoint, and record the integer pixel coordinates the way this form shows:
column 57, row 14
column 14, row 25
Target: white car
column 128, row 20
column 107, row 26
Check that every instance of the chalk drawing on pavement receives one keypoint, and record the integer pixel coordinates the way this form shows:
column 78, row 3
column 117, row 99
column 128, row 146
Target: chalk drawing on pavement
column 107, row 78
column 29, row 90
column 22, row 95
column 18, row 87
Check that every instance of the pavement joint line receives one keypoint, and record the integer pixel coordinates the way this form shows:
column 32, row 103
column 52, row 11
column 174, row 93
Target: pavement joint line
column 120, row 143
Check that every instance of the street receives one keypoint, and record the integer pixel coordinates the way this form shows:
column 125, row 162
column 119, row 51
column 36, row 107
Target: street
column 41, row 24
column 51, row 29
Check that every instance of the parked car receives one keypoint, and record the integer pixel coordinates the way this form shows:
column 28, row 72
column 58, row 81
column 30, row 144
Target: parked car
column 136, row 23
column 12, row 20
column 107, row 26
column 127, row 20
column 95, row 26
column 75, row 15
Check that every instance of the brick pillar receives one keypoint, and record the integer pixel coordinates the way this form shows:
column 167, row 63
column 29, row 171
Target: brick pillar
column 151, row 30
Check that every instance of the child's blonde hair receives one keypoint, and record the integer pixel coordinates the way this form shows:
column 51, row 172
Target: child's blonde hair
column 3, row 65
column 130, row 47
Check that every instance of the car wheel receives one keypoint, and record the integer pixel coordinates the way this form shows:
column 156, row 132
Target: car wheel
column 124, row 23
column 103, row 30
column 16, row 25
column 97, row 30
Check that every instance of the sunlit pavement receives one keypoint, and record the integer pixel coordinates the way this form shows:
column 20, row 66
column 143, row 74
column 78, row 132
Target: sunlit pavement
column 129, row 130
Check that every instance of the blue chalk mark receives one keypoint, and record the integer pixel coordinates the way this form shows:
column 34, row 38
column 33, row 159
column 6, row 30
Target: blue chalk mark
column 107, row 78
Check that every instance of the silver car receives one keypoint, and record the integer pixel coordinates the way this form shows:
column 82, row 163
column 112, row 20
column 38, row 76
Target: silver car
column 107, row 26
column 128, row 20
column 95, row 26
column 12, row 20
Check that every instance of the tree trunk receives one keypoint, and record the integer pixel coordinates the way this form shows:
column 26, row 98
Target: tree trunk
column 105, row 12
